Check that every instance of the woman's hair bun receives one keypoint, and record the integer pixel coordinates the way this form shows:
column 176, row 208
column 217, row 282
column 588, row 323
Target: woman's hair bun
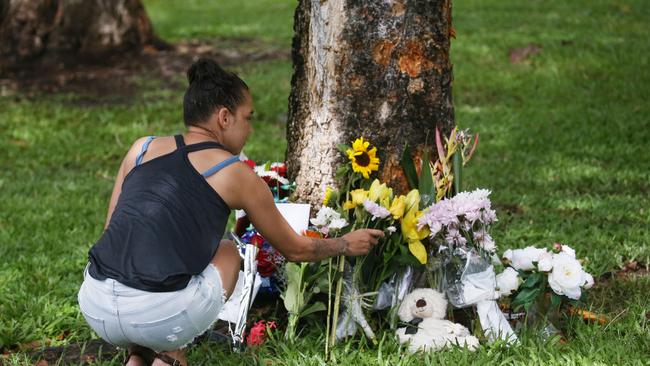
column 204, row 69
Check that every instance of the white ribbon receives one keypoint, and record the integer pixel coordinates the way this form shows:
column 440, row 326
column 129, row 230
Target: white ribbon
column 479, row 290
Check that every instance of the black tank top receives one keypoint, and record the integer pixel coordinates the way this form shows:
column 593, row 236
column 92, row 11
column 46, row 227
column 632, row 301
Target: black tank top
column 166, row 226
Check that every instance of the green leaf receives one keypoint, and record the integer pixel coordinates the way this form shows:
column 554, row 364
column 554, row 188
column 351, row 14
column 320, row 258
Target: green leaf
column 342, row 170
column 426, row 185
column 525, row 297
column 458, row 171
column 343, row 148
column 556, row 300
column 313, row 308
column 533, row 280
column 409, row 168
column 293, row 297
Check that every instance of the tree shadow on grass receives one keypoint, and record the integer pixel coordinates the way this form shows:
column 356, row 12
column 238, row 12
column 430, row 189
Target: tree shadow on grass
column 117, row 79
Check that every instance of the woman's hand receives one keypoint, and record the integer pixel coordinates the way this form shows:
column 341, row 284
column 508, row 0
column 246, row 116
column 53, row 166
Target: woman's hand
column 360, row 242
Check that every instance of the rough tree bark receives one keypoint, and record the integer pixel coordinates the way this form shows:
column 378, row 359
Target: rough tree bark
column 79, row 29
column 377, row 69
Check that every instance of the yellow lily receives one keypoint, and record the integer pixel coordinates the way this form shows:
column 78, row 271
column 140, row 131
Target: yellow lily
column 413, row 200
column 375, row 190
column 418, row 250
column 359, row 196
column 410, row 226
column 397, row 207
column 347, row 205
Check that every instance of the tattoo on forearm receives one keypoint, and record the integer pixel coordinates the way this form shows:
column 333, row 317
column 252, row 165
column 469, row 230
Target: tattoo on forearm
column 324, row 248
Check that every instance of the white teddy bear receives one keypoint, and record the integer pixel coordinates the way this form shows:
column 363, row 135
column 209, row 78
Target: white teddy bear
column 425, row 309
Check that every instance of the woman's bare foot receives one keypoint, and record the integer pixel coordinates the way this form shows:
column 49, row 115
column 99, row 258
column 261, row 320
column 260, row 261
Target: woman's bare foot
column 177, row 355
column 135, row 359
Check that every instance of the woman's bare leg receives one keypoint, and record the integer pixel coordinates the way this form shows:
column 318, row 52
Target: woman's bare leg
column 227, row 261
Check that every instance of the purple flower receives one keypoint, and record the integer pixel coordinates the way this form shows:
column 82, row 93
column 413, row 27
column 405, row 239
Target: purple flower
column 377, row 211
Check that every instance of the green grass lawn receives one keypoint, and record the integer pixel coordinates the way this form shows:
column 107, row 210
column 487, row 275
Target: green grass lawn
column 563, row 148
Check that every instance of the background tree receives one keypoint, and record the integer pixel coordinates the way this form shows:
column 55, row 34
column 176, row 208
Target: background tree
column 71, row 29
column 376, row 69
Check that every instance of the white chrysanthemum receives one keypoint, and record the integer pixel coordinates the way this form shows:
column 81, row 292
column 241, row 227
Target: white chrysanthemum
column 338, row 224
column 523, row 258
column 508, row 281
column 567, row 276
column 327, row 219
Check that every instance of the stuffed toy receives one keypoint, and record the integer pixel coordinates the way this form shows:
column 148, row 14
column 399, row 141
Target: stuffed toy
column 424, row 310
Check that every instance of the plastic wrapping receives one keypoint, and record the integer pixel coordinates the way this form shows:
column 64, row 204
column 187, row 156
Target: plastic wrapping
column 469, row 280
column 352, row 316
column 392, row 292
column 247, row 294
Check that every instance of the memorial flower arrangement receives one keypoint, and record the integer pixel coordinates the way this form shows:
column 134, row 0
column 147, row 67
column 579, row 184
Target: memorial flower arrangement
column 363, row 201
column 546, row 278
column 433, row 229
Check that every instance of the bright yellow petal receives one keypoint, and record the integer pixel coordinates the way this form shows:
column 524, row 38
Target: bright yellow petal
column 385, row 202
column 397, row 207
column 413, row 200
column 418, row 250
column 348, row 205
column 410, row 226
column 424, row 232
column 374, row 192
column 359, row 196
column 328, row 195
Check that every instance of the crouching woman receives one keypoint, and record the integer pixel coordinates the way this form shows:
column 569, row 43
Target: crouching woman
column 160, row 273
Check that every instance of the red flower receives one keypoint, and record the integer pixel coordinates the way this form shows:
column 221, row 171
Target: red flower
column 279, row 168
column 250, row 163
column 257, row 334
column 257, row 240
column 265, row 264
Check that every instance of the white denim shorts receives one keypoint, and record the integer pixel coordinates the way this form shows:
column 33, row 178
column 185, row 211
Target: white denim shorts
column 162, row 321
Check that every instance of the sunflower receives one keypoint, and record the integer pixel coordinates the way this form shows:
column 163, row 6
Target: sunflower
column 363, row 160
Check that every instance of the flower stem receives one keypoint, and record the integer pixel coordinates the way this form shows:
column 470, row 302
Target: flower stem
column 337, row 299
column 329, row 310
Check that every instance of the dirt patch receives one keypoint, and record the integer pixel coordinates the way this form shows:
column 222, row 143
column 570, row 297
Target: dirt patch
column 630, row 269
column 116, row 79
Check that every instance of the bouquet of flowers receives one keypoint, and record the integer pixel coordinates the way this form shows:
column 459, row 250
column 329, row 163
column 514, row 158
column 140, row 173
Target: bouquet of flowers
column 459, row 227
column 543, row 281
column 270, row 263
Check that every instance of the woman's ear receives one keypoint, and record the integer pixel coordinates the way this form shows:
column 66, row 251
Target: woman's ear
column 224, row 117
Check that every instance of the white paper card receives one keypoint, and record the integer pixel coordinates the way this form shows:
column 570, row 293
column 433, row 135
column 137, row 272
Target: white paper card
column 296, row 214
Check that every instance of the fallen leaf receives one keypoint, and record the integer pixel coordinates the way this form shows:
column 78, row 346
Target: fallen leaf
column 521, row 54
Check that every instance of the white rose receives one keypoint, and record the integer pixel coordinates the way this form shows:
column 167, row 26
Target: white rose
column 508, row 281
column 567, row 276
column 507, row 255
column 545, row 263
column 588, row 281
column 523, row 258
column 568, row 250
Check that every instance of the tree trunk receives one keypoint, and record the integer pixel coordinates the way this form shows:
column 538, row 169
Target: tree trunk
column 377, row 69
column 72, row 29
